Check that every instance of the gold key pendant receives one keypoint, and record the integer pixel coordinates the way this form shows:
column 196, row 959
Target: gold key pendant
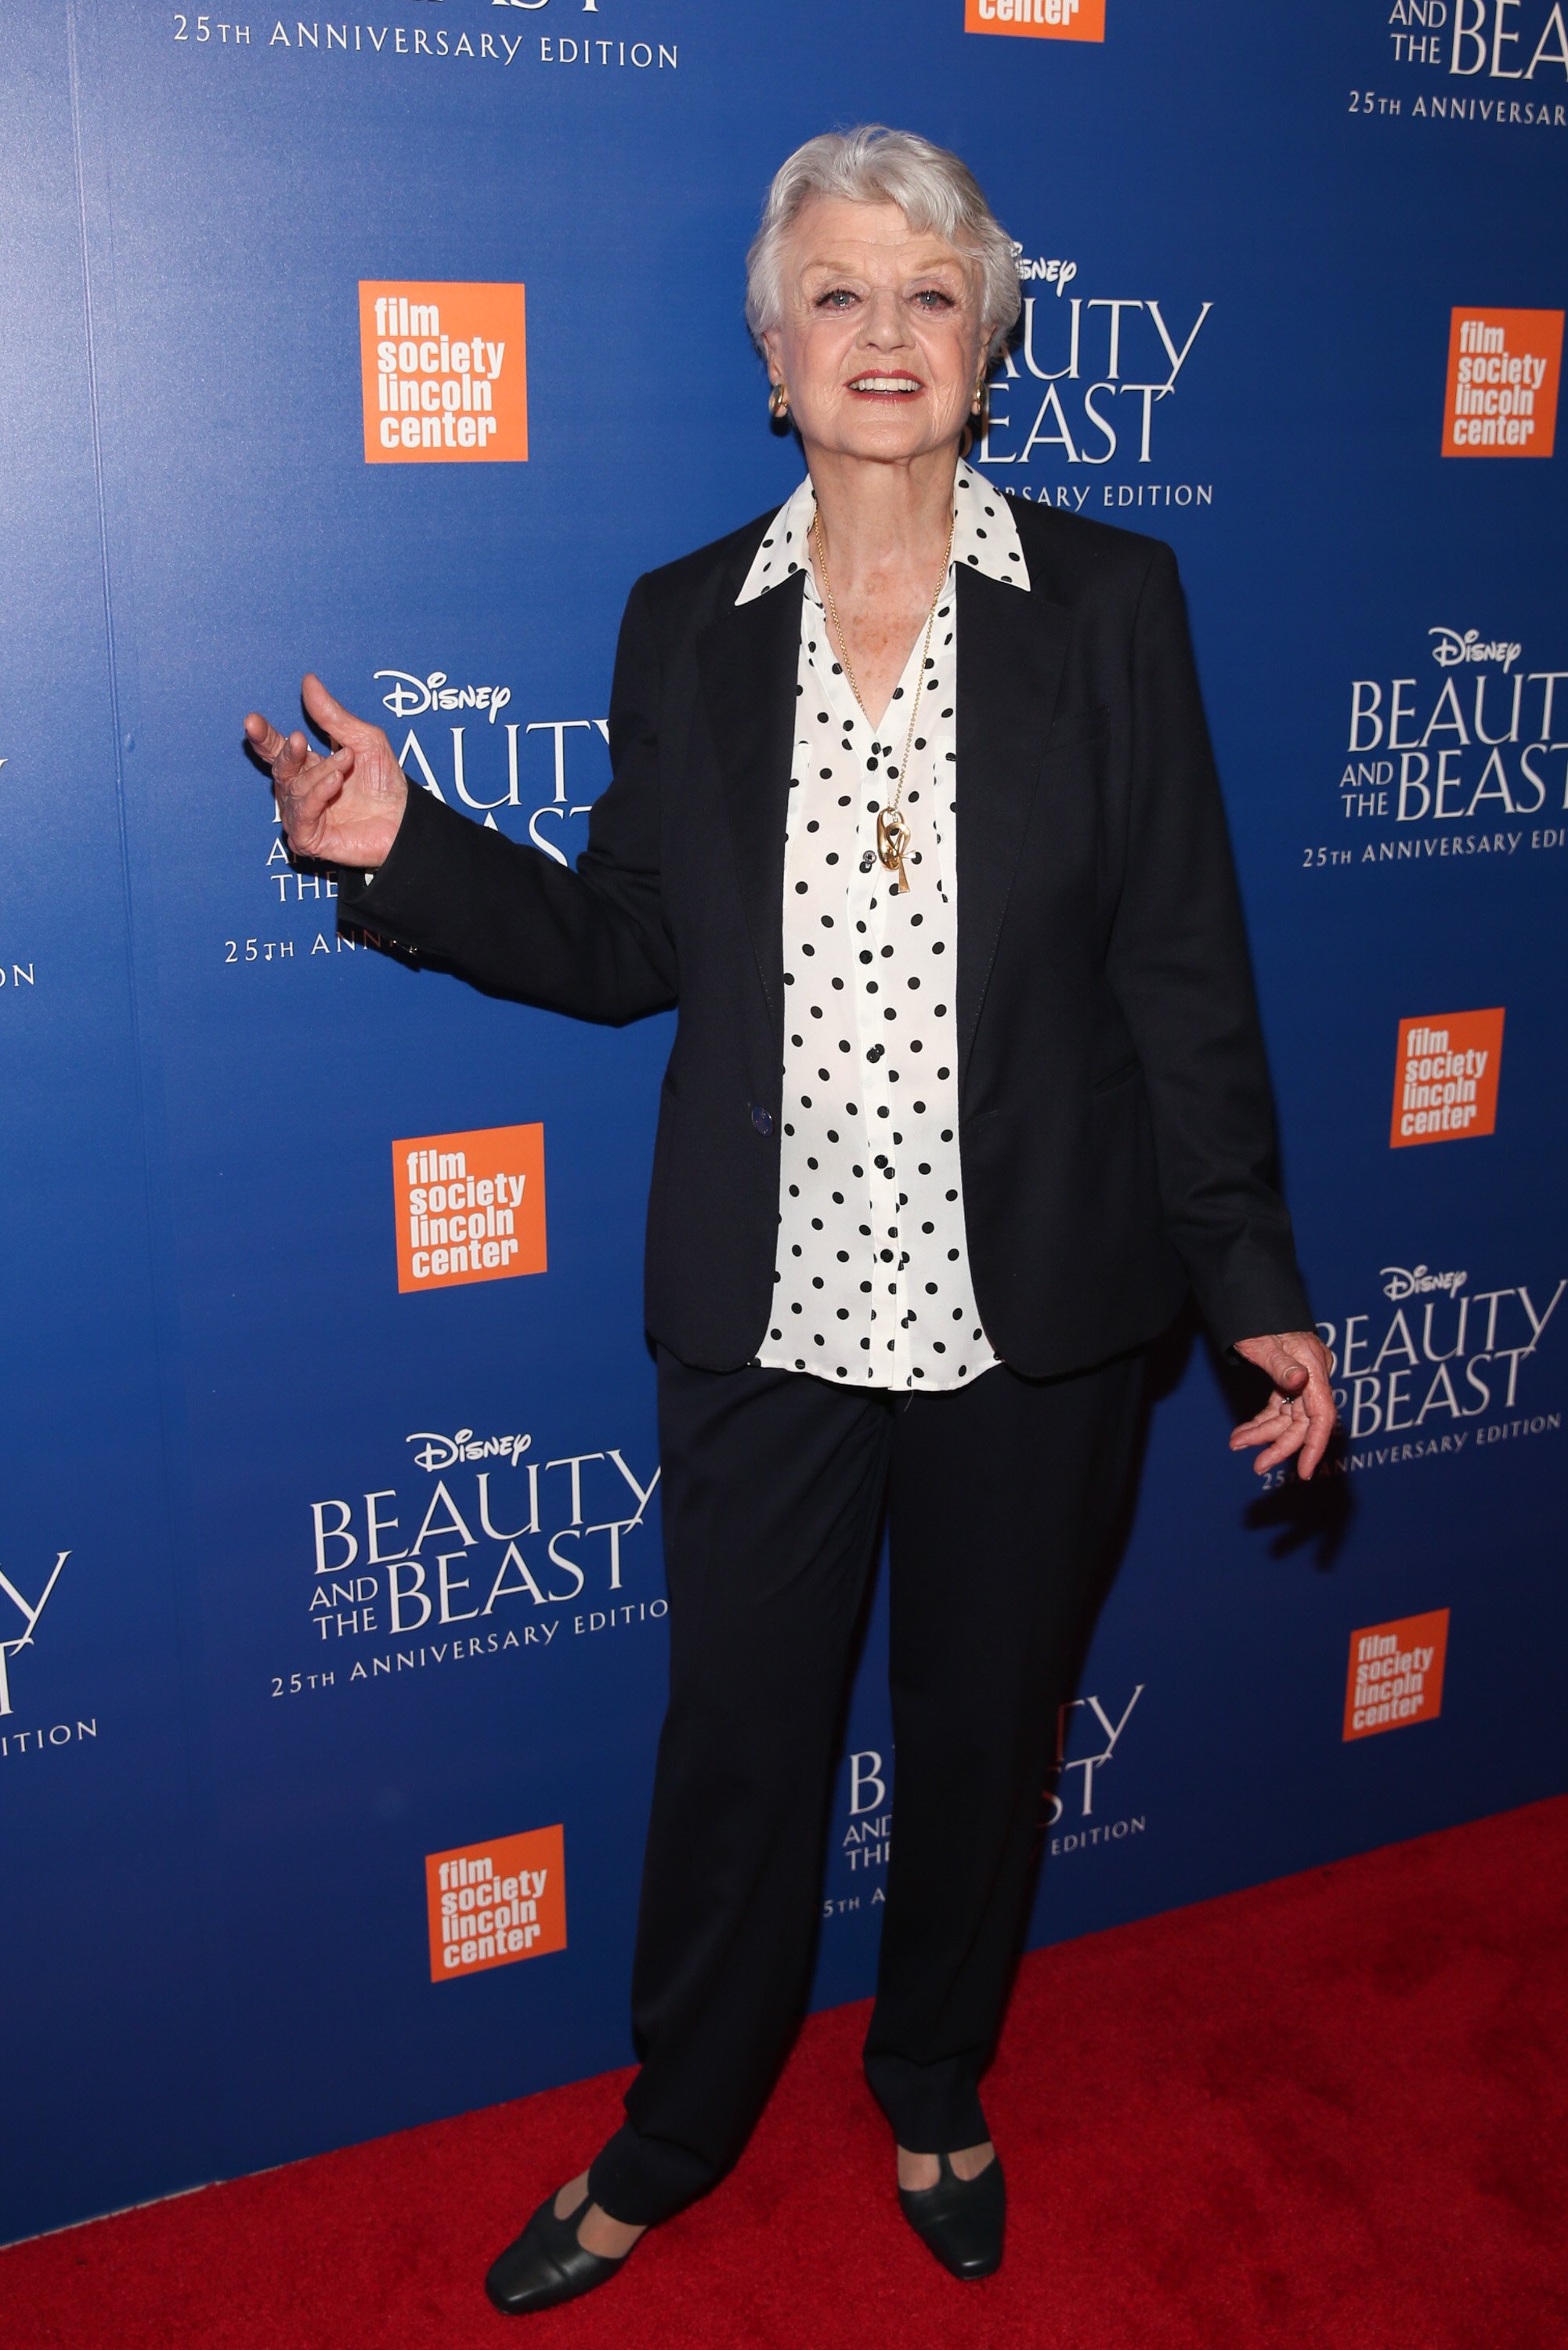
column 892, row 843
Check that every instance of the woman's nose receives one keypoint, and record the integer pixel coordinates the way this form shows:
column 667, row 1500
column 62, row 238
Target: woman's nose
column 883, row 322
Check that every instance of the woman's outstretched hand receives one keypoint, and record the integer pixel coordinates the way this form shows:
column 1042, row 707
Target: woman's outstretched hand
column 1299, row 1416
column 341, row 810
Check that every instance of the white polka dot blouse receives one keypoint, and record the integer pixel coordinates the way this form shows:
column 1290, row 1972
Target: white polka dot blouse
column 872, row 1282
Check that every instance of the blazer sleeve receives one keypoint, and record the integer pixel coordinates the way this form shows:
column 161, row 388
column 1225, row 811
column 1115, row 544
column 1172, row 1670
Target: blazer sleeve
column 590, row 942
column 1179, row 965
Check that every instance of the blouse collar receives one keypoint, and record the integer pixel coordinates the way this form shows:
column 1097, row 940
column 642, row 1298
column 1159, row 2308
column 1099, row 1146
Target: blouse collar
column 985, row 536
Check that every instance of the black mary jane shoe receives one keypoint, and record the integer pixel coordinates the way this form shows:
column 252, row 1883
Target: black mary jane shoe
column 962, row 2220
column 546, row 2265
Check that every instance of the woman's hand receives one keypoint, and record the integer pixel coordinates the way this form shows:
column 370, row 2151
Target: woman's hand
column 1299, row 1416
column 341, row 810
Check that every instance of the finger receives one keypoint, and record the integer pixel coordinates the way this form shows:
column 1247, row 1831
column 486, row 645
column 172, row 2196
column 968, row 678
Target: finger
column 1279, row 1366
column 323, row 782
column 1322, row 1420
column 286, row 754
column 263, row 737
column 1306, row 1436
column 1289, row 1444
column 1269, row 1433
column 1278, row 1409
column 1286, row 1437
column 327, row 712
column 1260, row 1430
column 303, row 809
column 293, row 761
column 1313, row 1451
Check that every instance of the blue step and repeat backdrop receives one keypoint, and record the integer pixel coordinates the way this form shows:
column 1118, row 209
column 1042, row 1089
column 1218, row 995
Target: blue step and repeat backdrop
column 396, row 343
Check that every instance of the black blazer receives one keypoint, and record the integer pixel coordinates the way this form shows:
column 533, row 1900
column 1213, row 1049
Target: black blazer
column 1116, row 1129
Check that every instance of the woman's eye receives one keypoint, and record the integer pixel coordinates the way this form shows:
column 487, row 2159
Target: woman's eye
column 933, row 298
column 839, row 298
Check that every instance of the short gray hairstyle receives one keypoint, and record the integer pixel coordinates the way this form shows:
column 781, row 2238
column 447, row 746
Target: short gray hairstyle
column 934, row 189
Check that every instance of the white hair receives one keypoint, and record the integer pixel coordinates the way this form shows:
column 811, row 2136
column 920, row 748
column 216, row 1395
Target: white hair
column 935, row 190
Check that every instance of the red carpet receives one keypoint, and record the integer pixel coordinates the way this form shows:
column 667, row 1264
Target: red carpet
column 1329, row 2114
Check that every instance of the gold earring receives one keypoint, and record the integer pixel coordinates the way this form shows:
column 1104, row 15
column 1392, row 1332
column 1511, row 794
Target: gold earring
column 978, row 401
column 778, row 403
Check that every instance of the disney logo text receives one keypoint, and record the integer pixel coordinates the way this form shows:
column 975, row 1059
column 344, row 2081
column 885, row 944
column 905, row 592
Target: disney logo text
column 1452, row 649
column 441, row 1451
column 1059, row 274
column 410, row 697
column 1419, row 1282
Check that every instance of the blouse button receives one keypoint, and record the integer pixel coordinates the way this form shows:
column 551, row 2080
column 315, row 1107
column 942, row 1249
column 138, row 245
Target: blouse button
column 761, row 1121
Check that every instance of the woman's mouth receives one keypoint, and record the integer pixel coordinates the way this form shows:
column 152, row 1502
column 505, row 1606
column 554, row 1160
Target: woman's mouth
column 884, row 387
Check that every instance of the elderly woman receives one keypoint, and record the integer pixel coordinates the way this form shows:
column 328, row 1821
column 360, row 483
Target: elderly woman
column 914, row 821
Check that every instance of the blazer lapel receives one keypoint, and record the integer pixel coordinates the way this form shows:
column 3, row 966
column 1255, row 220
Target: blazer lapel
column 749, row 661
column 1012, row 648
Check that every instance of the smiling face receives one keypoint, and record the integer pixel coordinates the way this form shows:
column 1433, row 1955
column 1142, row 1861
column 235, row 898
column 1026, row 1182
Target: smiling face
column 881, row 340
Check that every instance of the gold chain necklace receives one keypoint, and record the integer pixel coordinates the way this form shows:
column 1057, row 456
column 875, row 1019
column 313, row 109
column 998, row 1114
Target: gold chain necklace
column 892, row 829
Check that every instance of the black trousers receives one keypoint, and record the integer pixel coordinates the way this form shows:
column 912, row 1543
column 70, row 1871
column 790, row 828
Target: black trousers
column 1000, row 1497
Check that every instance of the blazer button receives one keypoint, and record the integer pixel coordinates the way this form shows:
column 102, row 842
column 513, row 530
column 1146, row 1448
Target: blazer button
column 761, row 1121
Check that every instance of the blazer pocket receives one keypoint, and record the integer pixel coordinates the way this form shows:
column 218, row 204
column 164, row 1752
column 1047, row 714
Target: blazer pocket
column 1080, row 727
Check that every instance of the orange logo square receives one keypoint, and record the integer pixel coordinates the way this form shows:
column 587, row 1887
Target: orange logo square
column 1445, row 1078
column 1396, row 1674
column 444, row 373
column 491, row 1904
column 1502, row 383
column 1041, row 20
column 470, row 1207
